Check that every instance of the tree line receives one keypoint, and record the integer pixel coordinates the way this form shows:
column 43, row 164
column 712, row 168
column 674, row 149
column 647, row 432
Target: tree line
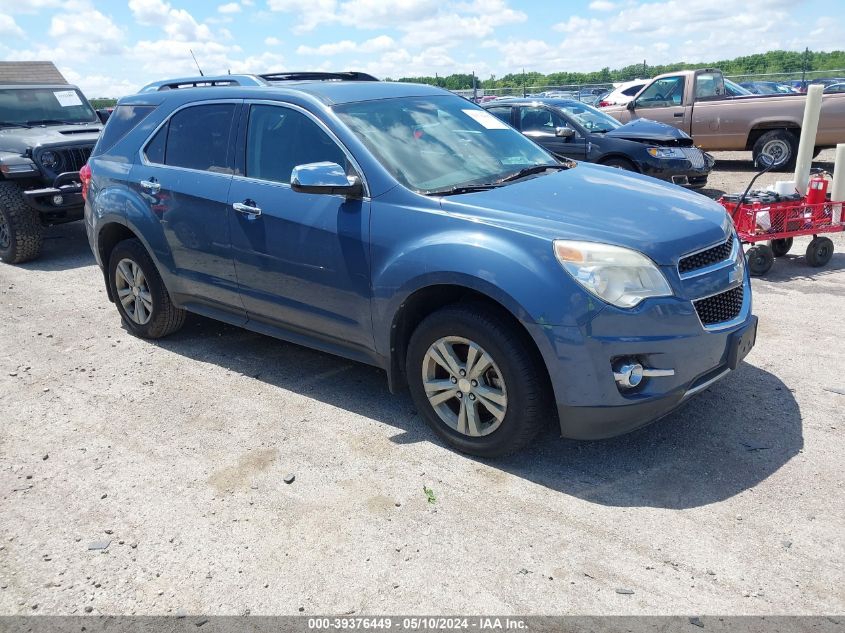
column 761, row 63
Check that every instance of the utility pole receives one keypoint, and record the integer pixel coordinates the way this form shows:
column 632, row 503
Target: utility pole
column 474, row 88
column 645, row 70
column 804, row 66
column 524, row 93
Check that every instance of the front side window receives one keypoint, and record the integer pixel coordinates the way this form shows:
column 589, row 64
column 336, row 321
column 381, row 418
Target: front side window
column 280, row 138
column 536, row 119
column 501, row 113
column 663, row 93
column 432, row 144
column 197, row 138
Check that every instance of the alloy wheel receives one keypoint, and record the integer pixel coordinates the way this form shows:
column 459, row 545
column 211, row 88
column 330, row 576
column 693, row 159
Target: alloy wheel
column 133, row 291
column 464, row 386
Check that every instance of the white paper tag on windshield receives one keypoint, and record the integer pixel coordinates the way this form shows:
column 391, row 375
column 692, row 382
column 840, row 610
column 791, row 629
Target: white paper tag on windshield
column 67, row 98
column 486, row 119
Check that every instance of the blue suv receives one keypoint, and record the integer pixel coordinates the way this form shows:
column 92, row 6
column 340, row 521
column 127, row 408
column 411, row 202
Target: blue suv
column 402, row 226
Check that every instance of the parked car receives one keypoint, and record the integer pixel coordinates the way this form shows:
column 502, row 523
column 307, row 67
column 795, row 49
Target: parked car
column 402, row 226
column 834, row 88
column 572, row 129
column 623, row 93
column 767, row 88
column 706, row 106
column 46, row 134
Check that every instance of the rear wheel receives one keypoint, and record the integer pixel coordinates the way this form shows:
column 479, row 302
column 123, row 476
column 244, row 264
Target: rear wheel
column 819, row 251
column 21, row 233
column 780, row 145
column 475, row 381
column 139, row 293
column 760, row 259
column 781, row 247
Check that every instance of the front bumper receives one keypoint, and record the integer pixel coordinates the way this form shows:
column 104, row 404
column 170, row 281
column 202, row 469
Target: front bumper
column 679, row 171
column 66, row 185
column 661, row 333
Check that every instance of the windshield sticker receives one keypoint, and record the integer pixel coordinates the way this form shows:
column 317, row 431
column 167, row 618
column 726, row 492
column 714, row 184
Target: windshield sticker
column 486, row 119
column 67, row 98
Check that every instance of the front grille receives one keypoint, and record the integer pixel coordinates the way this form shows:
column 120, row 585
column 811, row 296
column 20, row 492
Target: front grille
column 695, row 156
column 708, row 257
column 719, row 308
column 71, row 158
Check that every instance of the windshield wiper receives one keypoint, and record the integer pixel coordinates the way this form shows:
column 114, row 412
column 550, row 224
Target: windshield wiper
column 50, row 122
column 534, row 169
column 458, row 189
column 11, row 124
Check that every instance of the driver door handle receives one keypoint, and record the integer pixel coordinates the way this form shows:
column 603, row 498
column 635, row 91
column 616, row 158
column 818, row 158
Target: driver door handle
column 679, row 115
column 248, row 208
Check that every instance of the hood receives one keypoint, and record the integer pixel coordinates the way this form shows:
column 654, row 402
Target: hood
column 601, row 204
column 648, row 131
column 20, row 139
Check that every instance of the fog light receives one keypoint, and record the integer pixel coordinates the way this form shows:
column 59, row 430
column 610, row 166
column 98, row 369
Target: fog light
column 628, row 375
column 58, row 200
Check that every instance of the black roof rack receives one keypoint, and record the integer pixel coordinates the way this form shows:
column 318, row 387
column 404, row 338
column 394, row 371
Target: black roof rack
column 318, row 76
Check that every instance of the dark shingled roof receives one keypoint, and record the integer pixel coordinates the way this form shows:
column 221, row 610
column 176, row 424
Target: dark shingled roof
column 30, row 73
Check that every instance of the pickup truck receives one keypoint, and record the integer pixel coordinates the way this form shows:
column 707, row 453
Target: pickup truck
column 702, row 104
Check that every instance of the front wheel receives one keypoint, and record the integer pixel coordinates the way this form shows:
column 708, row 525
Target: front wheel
column 475, row 382
column 780, row 145
column 139, row 293
column 760, row 259
column 619, row 163
column 819, row 251
column 20, row 227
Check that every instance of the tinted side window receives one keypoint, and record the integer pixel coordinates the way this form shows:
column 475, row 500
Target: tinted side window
column 123, row 120
column 198, row 137
column 501, row 113
column 155, row 148
column 279, row 139
column 630, row 92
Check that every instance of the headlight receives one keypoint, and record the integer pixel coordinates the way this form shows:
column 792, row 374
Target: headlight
column 614, row 274
column 666, row 152
column 50, row 160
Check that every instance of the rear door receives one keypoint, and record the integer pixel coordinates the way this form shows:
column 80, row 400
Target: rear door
column 302, row 263
column 663, row 101
column 184, row 176
column 540, row 123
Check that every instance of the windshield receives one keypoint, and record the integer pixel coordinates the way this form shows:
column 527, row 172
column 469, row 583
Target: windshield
column 589, row 117
column 433, row 144
column 36, row 106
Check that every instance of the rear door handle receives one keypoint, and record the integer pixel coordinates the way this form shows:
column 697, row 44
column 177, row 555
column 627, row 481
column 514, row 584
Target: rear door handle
column 151, row 185
column 679, row 115
column 248, row 208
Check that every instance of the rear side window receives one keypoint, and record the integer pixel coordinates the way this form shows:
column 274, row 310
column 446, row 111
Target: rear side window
column 123, row 120
column 630, row 92
column 501, row 113
column 197, row 138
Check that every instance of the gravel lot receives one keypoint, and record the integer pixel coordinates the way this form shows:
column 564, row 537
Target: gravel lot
column 175, row 454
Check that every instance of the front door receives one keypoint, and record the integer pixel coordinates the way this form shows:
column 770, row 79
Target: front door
column 184, row 178
column 301, row 259
column 540, row 124
column 663, row 101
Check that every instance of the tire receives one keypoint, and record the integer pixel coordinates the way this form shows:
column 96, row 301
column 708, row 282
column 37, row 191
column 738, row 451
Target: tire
column 515, row 382
column 780, row 144
column 157, row 316
column 760, row 259
column 819, row 252
column 620, row 163
column 781, row 247
column 21, row 233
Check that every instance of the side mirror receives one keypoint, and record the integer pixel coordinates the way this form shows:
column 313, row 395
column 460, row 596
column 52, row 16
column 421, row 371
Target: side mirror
column 104, row 115
column 631, row 105
column 327, row 178
column 564, row 132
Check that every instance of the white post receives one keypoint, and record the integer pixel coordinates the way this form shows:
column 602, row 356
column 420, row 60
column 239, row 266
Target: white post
column 807, row 144
column 837, row 190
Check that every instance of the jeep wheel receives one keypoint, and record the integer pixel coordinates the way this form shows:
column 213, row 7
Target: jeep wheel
column 475, row 382
column 20, row 227
column 139, row 293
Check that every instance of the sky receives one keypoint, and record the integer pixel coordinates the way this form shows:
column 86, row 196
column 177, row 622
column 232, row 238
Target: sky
column 112, row 47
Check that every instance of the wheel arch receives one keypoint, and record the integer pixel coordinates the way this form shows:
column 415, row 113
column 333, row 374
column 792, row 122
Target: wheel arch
column 758, row 129
column 620, row 156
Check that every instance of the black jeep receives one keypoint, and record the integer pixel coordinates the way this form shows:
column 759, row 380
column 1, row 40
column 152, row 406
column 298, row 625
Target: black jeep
column 47, row 133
